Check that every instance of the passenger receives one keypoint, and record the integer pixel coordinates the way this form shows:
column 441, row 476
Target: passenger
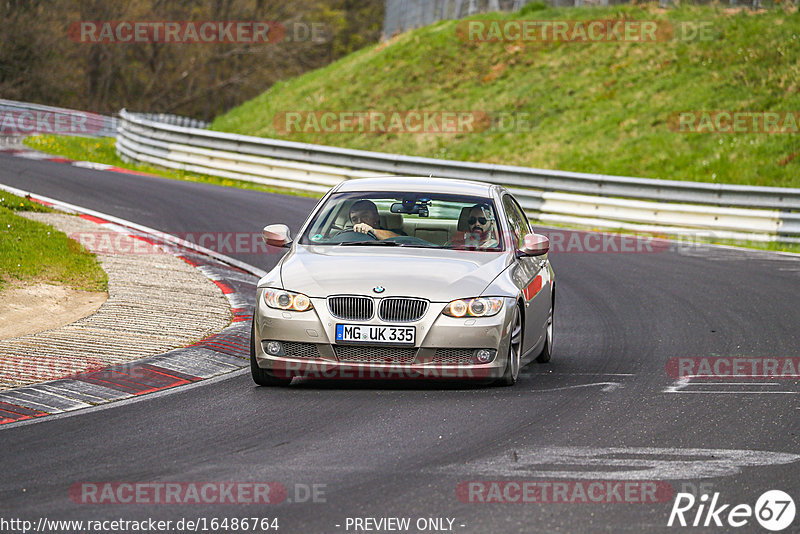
column 482, row 231
column 365, row 219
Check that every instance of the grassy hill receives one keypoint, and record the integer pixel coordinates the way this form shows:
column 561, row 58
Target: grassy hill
column 593, row 107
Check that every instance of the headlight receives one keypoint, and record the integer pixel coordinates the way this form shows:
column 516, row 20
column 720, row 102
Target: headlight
column 286, row 300
column 477, row 307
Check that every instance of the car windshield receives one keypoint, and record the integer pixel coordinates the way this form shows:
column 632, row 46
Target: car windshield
column 418, row 220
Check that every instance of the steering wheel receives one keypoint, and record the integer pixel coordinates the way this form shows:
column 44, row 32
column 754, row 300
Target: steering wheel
column 352, row 235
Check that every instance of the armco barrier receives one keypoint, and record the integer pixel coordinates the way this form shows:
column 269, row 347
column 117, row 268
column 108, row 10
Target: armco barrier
column 672, row 207
column 22, row 118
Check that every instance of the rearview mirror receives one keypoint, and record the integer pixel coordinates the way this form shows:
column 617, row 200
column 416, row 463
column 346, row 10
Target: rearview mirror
column 410, row 208
column 276, row 235
column 535, row 245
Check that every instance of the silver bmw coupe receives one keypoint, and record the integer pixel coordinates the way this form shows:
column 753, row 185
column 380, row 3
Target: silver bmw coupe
column 416, row 278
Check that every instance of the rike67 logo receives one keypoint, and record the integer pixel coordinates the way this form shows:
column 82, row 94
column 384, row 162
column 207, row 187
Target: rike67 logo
column 774, row 510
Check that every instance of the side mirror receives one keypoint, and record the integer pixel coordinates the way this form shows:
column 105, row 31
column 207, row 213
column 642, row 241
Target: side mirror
column 535, row 245
column 276, row 235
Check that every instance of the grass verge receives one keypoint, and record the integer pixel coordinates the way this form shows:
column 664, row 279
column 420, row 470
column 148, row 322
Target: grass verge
column 32, row 251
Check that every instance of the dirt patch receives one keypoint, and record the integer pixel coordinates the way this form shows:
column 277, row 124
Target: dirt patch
column 28, row 308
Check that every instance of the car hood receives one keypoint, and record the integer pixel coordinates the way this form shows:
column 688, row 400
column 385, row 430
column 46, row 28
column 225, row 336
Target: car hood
column 437, row 275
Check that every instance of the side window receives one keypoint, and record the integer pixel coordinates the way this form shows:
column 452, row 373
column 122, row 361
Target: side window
column 516, row 219
column 526, row 224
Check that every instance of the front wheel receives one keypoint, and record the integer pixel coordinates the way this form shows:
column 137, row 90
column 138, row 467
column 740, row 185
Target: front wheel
column 511, row 373
column 262, row 377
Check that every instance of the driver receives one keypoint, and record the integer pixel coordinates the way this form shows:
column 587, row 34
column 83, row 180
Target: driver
column 365, row 219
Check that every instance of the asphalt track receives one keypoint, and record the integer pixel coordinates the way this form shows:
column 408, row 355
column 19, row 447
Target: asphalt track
column 602, row 409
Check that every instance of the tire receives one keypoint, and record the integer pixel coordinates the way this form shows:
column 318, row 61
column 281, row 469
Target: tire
column 547, row 350
column 262, row 377
column 514, row 357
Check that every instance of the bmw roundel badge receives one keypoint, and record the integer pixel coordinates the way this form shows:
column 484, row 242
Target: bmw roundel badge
column 379, row 289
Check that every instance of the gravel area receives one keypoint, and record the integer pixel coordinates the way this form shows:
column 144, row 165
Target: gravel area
column 156, row 303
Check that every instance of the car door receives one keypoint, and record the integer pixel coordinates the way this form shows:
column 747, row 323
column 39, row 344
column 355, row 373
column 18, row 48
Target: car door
column 530, row 274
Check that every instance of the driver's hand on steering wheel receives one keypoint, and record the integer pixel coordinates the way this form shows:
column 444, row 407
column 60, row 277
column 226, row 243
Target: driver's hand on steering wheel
column 363, row 228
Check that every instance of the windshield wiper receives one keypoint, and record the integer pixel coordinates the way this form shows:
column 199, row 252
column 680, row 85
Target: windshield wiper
column 390, row 243
column 371, row 243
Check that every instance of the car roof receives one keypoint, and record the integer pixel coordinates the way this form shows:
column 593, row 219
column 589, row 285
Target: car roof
column 418, row 184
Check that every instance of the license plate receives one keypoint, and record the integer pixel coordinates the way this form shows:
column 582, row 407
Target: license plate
column 359, row 333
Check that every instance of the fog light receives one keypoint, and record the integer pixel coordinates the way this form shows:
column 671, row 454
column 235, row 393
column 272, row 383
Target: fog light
column 484, row 355
column 274, row 348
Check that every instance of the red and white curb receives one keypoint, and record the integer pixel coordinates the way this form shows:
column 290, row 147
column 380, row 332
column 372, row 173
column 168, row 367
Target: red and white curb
column 218, row 354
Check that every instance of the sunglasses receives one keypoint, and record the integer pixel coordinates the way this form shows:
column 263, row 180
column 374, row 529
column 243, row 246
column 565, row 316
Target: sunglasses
column 473, row 220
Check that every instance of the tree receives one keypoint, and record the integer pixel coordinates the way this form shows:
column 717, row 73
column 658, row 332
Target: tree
column 43, row 59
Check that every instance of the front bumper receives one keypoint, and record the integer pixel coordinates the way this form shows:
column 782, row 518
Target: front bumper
column 444, row 347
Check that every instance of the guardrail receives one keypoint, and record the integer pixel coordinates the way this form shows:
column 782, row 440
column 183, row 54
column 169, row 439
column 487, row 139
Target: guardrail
column 594, row 200
column 23, row 118
column 175, row 120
